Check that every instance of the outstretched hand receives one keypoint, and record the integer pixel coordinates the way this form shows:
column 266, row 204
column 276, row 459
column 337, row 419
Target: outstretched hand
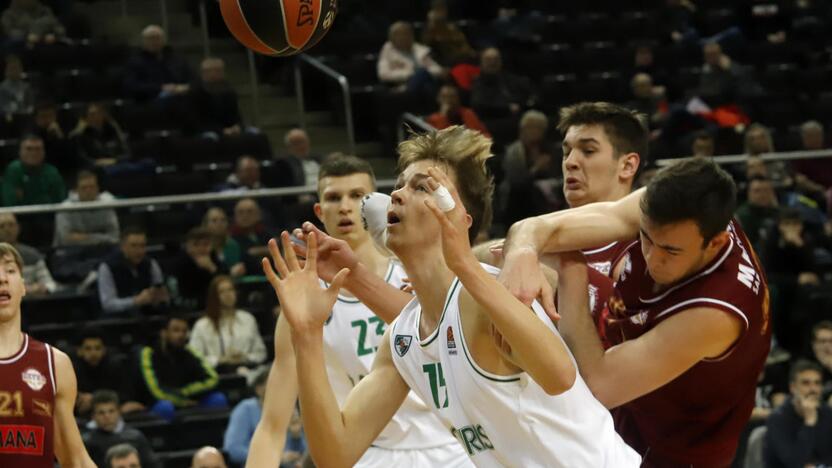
column 304, row 302
column 333, row 254
column 455, row 222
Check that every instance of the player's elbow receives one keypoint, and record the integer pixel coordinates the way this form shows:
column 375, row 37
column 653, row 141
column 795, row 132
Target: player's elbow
column 603, row 391
column 561, row 382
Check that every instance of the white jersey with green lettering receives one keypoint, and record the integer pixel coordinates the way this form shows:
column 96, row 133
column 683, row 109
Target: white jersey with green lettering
column 352, row 336
column 503, row 420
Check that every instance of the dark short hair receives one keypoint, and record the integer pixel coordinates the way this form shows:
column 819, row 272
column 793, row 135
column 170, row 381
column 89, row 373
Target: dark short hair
column 626, row 128
column 198, row 233
column 90, row 333
column 30, row 137
column 102, row 397
column 174, row 317
column 118, row 452
column 85, row 174
column 133, row 231
column 692, row 189
column 803, row 365
column 822, row 325
column 339, row 165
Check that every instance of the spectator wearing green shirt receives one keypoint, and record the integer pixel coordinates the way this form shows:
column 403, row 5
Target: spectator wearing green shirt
column 227, row 249
column 31, row 181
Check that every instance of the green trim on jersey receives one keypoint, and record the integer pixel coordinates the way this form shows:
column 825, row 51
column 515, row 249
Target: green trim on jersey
column 434, row 334
column 478, row 369
column 352, row 300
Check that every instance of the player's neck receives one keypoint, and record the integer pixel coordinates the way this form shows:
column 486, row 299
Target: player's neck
column 11, row 338
column 371, row 257
column 617, row 193
column 431, row 280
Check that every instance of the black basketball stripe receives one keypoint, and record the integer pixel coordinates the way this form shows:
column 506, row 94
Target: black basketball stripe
column 328, row 7
column 265, row 18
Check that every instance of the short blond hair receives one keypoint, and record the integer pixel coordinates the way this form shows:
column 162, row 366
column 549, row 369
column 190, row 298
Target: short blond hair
column 7, row 249
column 466, row 151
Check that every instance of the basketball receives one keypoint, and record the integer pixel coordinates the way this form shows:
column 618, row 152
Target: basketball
column 278, row 27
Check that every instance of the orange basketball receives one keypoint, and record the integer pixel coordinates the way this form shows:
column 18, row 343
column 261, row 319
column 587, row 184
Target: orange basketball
column 278, row 27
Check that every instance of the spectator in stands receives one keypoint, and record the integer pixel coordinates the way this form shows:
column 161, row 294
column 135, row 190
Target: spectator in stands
column 99, row 139
column 719, row 81
column 128, row 281
column 675, row 20
column 96, row 369
column 175, row 376
column 527, row 161
column 59, row 149
column 30, row 180
column 295, row 448
column 214, row 102
column 208, row 457
column 452, row 112
column 758, row 214
column 800, row 431
column 758, row 141
column 246, row 176
column 250, row 232
column 299, row 165
column 447, row 43
column 35, row 273
column 648, row 99
column 819, row 170
column 87, row 227
column 406, row 65
column 108, row 429
column 497, row 93
column 196, row 267
column 15, row 94
column 822, row 354
column 244, row 419
column 122, row 456
column 29, row 22
column 788, row 251
column 812, row 136
column 703, row 144
column 156, row 71
column 227, row 337
column 224, row 246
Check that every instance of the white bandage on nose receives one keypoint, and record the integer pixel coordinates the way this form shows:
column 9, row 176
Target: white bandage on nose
column 374, row 208
column 444, row 199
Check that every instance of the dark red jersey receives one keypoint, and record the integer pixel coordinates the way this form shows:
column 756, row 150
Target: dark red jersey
column 696, row 419
column 603, row 258
column 602, row 262
column 27, row 405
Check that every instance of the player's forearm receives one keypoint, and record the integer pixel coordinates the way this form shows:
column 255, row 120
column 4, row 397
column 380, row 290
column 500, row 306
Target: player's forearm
column 383, row 299
column 576, row 325
column 535, row 347
column 322, row 420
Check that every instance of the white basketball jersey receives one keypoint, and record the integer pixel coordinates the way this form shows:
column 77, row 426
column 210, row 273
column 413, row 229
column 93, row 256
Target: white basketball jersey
column 352, row 336
column 503, row 420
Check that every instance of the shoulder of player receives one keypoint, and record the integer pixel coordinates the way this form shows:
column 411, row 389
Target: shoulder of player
column 64, row 371
column 710, row 329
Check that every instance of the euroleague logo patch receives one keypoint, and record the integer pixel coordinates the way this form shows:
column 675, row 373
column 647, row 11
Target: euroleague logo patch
column 34, row 379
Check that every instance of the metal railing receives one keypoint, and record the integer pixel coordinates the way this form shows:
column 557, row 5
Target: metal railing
column 343, row 83
column 414, row 122
column 778, row 156
column 172, row 199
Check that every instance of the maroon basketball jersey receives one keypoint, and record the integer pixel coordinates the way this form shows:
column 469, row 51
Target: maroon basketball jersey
column 602, row 262
column 696, row 419
column 27, row 405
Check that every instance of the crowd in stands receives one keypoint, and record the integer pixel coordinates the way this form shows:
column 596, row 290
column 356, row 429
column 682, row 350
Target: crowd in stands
column 179, row 322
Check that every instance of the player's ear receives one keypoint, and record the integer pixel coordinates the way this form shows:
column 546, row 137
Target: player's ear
column 468, row 220
column 628, row 165
column 719, row 241
column 318, row 212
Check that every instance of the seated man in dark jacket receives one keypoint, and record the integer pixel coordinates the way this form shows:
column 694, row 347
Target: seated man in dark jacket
column 197, row 266
column 156, row 71
column 108, row 429
column 214, row 102
column 172, row 375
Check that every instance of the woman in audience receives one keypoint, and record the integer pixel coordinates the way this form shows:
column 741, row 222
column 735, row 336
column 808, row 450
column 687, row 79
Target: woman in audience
column 226, row 248
column 98, row 137
column 226, row 336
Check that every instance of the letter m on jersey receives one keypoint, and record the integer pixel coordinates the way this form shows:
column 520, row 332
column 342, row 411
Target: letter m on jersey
column 437, row 383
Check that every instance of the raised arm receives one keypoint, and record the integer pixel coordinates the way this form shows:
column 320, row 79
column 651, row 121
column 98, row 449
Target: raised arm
column 334, row 254
column 336, row 437
column 69, row 447
column 623, row 372
column 535, row 348
column 279, row 403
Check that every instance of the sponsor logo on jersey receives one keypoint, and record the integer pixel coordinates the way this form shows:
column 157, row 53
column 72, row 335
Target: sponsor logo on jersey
column 34, row 379
column 402, row 343
column 593, row 298
column 639, row 318
column 601, row 267
column 451, row 342
column 21, row 439
column 41, row 407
